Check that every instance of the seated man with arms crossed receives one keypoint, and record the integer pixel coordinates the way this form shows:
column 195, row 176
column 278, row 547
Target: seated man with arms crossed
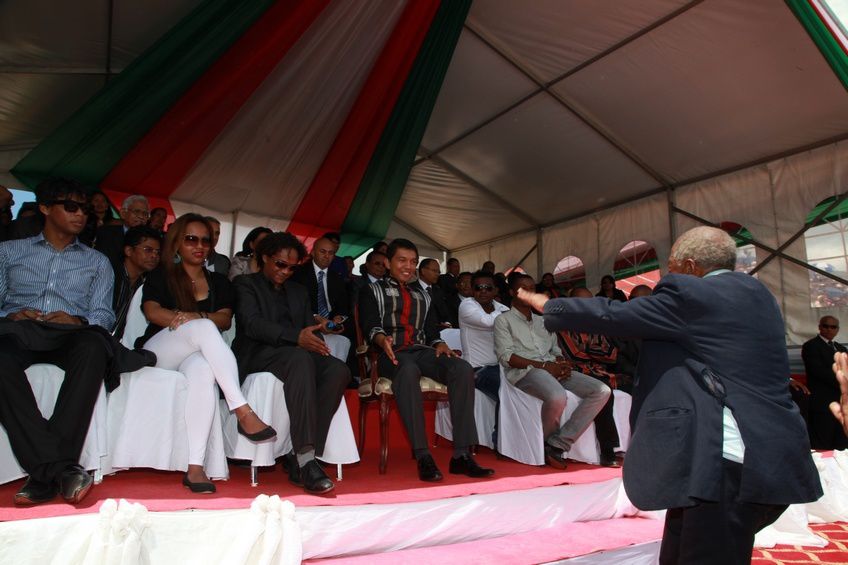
column 536, row 366
column 476, row 331
column 56, row 308
column 398, row 320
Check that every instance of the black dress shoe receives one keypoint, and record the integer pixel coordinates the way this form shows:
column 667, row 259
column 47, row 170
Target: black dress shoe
column 35, row 492
column 427, row 470
column 555, row 457
column 74, row 483
column 466, row 465
column 291, row 467
column 264, row 434
column 610, row 461
column 205, row 487
column 315, row 480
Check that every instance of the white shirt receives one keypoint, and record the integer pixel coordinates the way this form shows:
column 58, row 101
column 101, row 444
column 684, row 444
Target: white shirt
column 476, row 331
column 326, row 292
column 371, row 279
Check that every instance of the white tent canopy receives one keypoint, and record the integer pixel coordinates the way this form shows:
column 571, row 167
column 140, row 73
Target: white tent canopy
column 565, row 127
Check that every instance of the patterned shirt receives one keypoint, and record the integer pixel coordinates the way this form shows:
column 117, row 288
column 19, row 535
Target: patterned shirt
column 399, row 311
column 77, row 280
column 591, row 354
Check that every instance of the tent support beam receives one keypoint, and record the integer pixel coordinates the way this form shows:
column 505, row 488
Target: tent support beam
column 109, row 25
column 526, row 255
column 491, row 194
column 421, row 234
column 772, row 251
column 836, row 202
column 542, row 87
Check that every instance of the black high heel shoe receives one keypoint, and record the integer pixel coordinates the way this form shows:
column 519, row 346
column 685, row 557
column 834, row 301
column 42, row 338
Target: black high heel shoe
column 265, row 433
column 199, row 488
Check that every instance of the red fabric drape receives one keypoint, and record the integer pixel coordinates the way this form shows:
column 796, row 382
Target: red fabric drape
column 328, row 199
column 159, row 162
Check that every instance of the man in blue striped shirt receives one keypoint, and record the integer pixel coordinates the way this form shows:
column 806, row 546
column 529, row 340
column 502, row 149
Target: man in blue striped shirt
column 51, row 287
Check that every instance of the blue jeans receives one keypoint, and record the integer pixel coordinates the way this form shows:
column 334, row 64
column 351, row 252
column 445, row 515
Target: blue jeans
column 488, row 381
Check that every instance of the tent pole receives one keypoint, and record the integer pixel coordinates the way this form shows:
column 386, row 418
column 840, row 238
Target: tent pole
column 672, row 232
column 520, row 261
column 233, row 233
column 540, row 265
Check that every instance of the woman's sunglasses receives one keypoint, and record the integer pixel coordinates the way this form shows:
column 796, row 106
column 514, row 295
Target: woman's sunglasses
column 195, row 240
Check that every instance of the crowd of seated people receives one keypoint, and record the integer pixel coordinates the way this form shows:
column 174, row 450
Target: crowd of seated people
column 289, row 305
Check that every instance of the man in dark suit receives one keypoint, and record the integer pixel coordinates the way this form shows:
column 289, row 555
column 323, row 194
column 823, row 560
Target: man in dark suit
column 716, row 437
column 276, row 332
column 825, row 432
column 328, row 299
column 375, row 270
column 428, row 275
column 448, row 280
column 110, row 238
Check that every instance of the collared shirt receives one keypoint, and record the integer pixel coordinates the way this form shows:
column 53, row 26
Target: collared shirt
column 372, row 279
column 733, row 448
column 399, row 311
column 326, row 291
column 516, row 335
column 476, row 331
column 77, row 280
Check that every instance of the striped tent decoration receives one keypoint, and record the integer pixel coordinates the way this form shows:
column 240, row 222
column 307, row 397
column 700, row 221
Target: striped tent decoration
column 309, row 111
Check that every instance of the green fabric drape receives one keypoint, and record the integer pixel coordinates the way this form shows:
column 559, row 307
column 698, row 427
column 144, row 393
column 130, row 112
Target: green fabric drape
column 375, row 203
column 822, row 37
column 89, row 144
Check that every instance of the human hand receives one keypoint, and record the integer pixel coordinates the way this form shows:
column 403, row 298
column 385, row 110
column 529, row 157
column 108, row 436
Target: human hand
column 840, row 409
column 59, row 317
column 181, row 318
column 533, row 299
column 311, row 342
column 25, row 314
column 387, row 346
column 443, row 349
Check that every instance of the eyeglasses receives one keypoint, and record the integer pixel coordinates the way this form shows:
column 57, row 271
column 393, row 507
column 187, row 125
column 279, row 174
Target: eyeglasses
column 283, row 266
column 140, row 213
column 195, row 240
column 151, row 250
column 71, row 206
column 829, row 326
column 483, row 287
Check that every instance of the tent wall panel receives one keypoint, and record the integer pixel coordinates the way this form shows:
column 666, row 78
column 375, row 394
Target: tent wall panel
column 578, row 238
column 505, row 253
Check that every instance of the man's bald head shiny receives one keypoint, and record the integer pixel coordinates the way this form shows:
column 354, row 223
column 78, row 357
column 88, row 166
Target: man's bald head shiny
column 323, row 252
column 702, row 250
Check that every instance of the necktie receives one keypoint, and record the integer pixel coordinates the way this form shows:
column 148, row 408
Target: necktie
column 832, row 345
column 430, row 291
column 323, row 308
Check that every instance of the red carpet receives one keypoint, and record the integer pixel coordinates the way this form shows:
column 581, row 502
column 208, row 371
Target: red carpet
column 836, row 551
column 570, row 540
column 362, row 484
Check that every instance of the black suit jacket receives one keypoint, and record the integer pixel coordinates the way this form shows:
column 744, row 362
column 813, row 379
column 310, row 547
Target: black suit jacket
column 336, row 289
column 259, row 332
column 110, row 242
column 439, row 303
column 707, row 343
column 818, row 363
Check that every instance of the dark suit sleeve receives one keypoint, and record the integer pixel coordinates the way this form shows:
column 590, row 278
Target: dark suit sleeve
column 369, row 314
column 659, row 316
column 339, row 298
column 431, row 327
column 252, row 321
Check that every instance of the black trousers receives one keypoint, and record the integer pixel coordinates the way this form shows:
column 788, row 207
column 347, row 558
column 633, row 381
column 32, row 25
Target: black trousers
column 454, row 372
column 722, row 532
column 44, row 447
column 314, row 386
column 605, row 429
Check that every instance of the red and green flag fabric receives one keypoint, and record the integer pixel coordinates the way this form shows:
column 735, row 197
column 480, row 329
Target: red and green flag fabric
column 309, row 111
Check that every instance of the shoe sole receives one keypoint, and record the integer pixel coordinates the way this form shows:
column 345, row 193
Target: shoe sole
column 80, row 494
column 433, row 480
column 561, row 465
column 25, row 501
column 325, row 491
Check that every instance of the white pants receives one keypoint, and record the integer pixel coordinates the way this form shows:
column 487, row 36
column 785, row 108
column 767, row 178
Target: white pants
column 197, row 350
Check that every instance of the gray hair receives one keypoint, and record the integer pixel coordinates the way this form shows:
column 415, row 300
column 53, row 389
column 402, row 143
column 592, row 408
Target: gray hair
column 710, row 248
column 130, row 200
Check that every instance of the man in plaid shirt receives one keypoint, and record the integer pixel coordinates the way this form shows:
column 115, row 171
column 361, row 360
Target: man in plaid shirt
column 398, row 321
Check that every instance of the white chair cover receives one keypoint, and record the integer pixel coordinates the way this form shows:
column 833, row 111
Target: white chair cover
column 46, row 380
column 520, row 432
column 146, row 416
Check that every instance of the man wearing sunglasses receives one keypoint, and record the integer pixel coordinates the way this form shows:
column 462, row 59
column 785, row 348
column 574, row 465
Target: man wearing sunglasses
column 717, row 439
column 52, row 287
column 825, row 432
column 142, row 247
column 109, row 240
column 276, row 332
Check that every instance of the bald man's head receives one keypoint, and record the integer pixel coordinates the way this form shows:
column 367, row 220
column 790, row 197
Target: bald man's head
column 323, row 252
column 702, row 250
column 640, row 291
column 828, row 327
column 581, row 293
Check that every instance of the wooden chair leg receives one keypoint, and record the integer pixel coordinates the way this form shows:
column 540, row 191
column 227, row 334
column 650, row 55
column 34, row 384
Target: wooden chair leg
column 384, row 433
column 363, row 407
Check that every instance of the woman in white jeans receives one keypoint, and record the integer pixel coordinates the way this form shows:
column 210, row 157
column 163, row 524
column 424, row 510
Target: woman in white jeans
column 187, row 307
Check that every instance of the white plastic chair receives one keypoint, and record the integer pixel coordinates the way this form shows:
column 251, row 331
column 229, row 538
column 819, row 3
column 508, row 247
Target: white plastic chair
column 146, row 416
column 264, row 393
column 46, row 380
